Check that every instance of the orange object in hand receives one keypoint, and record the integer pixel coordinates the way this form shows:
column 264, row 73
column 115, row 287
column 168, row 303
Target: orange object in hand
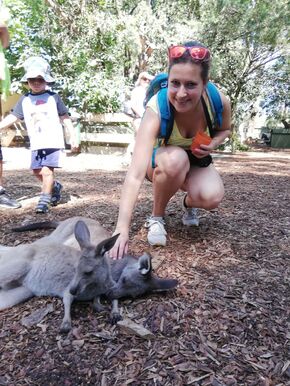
column 201, row 138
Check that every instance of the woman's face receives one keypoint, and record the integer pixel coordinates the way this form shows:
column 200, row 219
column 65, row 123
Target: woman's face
column 185, row 86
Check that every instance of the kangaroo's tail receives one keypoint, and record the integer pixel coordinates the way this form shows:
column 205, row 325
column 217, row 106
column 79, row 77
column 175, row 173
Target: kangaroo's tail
column 36, row 225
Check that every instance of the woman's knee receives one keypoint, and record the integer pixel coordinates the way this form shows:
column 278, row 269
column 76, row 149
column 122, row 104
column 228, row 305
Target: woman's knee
column 206, row 198
column 174, row 164
column 210, row 203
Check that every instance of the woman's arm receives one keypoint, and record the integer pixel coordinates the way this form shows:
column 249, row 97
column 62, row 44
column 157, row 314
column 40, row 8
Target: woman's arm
column 221, row 133
column 145, row 139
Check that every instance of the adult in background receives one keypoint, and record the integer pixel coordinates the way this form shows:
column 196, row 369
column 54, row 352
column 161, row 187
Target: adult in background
column 138, row 96
column 175, row 166
column 136, row 106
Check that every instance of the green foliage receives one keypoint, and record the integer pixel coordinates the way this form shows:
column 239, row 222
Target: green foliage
column 25, row 28
column 245, row 37
column 98, row 47
column 277, row 102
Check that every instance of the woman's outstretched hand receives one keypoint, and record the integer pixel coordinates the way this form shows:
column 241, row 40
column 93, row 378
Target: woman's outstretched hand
column 121, row 246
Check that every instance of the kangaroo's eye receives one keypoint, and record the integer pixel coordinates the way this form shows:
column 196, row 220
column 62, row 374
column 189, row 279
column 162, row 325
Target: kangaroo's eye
column 88, row 273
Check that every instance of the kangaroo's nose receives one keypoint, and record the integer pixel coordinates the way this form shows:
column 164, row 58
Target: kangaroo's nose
column 73, row 290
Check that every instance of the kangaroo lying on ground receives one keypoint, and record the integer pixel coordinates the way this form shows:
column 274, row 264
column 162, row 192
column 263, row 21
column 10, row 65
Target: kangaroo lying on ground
column 70, row 263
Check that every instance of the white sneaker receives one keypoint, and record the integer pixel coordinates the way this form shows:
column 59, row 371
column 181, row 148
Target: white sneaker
column 157, row 233
column 190, row 217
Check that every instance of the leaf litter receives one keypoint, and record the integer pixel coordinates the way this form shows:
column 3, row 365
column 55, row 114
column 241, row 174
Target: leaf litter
column 228, row 321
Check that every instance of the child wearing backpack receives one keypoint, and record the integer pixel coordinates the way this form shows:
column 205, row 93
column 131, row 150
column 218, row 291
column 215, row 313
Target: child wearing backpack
column 172, row 158
column 43, row 112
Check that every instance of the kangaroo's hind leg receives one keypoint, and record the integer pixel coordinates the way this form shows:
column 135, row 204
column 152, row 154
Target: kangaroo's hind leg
column 12, row 272
column 11, row 297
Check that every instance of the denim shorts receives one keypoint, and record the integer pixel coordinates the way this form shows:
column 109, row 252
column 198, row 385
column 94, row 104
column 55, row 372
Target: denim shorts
column 46, row 157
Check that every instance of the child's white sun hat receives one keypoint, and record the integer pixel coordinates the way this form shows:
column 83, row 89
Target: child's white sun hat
column 36, row 66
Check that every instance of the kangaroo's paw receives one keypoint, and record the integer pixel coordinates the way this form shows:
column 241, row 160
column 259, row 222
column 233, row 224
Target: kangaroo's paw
column 115, row 317
column 65, row 326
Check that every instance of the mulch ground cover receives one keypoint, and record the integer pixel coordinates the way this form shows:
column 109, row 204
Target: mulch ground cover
column 228, row 321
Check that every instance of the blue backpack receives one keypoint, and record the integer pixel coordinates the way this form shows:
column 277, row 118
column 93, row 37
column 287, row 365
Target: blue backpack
column 158, row 86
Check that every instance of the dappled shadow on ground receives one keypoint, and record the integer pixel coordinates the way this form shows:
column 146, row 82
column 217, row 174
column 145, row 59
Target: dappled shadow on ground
column 226, row 324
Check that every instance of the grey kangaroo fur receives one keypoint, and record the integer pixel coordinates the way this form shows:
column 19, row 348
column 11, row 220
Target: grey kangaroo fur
column 71, row 263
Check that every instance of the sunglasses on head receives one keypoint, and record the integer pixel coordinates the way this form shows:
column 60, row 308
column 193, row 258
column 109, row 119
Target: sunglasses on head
column 200, row 54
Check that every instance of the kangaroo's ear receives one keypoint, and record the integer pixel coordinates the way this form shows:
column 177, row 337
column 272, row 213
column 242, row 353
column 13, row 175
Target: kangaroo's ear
column 145, row 266
column 159, row 284
column 106, row 245
column 82, row 234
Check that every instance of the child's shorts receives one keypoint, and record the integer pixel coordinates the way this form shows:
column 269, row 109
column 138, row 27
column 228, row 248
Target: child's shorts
column 52, row 158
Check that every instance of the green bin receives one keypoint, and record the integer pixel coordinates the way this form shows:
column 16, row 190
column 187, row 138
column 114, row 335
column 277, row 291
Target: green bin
column 280, row 138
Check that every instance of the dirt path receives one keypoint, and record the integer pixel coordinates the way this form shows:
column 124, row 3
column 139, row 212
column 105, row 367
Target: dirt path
column 226, row 324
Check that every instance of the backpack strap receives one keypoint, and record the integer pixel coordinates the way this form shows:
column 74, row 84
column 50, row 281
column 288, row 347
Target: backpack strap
column 166, row 114
column 215, row 102
column 216, row 107
column 207, row 117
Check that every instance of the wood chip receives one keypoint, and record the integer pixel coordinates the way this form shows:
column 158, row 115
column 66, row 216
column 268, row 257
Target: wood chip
column 130, row 327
